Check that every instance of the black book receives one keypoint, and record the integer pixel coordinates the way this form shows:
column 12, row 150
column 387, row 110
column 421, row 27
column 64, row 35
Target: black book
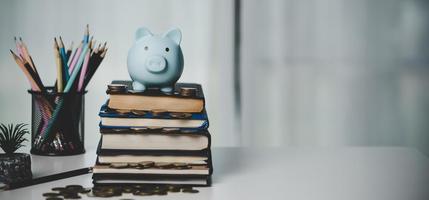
column 100, row 180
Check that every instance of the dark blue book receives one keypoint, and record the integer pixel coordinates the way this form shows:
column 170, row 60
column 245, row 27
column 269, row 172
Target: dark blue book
column 118, row 119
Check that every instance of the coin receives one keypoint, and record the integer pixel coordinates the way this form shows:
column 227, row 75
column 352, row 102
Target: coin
column 146, row 164
column 133, row 165
column 68, row 192
column 138, row 129
column 117, row 87
column 180, row 115
column 186, row 131
column 138, row 112
column 73, row 196
column 158, row 112
column 188, row 91
column 122, row 111
column 189, row 190
column 179, row 165
column 54, row 198
column 170, row 130
column 173, row 188
column 143, row 193
column 107, row 191
column 128, row 189
column 51, row 194
column 103, row 194
column 58, row 188
column 116, row 130
column 118, row 165
column 154, row 128
column 160, row 192
column 85, row 190
column 163, row 165
column 74, row 187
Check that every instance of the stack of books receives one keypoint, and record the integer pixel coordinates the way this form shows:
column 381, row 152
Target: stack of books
column 153, row 138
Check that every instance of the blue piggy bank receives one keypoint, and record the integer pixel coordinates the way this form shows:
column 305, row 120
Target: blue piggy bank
column 155, row 61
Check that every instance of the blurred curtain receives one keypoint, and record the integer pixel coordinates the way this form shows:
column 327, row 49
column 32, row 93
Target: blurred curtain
column 335, row 72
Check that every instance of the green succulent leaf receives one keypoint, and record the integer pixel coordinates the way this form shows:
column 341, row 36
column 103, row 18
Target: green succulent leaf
column 12, row 137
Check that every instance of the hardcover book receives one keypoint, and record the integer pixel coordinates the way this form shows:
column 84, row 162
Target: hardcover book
column 106, row 180
column 152, row 99
column 154, row 140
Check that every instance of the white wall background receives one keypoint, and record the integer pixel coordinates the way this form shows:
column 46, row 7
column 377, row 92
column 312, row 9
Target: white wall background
column 207, row 45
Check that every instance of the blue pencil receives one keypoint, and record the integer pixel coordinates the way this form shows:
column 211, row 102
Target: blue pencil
column 64, row 60
column 86, row 35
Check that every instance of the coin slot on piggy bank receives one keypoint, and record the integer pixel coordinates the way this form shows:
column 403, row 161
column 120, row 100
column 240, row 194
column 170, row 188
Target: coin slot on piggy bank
column 155, row 61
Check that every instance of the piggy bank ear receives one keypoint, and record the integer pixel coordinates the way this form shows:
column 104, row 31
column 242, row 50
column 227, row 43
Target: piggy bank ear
column 143, row 32
column 174, row 34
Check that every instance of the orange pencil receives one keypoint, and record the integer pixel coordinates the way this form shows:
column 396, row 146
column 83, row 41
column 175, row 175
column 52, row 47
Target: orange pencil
column 18, row 61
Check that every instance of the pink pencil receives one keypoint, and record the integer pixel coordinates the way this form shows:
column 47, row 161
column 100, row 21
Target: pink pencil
column 71, row 58
column 75, row 58
column 83, row 72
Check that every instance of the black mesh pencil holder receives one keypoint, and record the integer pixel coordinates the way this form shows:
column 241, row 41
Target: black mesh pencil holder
column 57, row 123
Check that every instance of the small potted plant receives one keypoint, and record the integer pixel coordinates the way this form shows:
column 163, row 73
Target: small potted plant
column 14, row 167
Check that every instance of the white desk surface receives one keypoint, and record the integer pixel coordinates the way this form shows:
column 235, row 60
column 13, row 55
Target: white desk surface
column 361, row 173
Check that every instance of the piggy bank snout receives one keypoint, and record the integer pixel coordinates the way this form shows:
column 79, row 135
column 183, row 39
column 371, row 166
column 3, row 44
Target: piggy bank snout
column 156, row 64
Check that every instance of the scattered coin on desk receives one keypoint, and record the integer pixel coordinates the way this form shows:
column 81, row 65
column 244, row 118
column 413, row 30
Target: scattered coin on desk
column 74, row 191
column 189, row 190
column 54, row 198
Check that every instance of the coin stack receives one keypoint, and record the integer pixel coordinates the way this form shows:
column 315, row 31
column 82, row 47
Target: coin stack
column 153, row 138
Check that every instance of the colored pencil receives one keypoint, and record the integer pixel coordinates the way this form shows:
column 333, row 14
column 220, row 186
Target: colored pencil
column 86, row 34
column 76, row 70
column 75, row 58
column 98, row 58
column 59, row 68
column 71, row 59
column 64, row 59
column 18, row 47
column 69, row 52
column 30, row 79
column 83, row 71
column 26, row 57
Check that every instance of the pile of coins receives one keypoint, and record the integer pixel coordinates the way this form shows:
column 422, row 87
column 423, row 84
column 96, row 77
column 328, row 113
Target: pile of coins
column 150, row 129
column 154, row 113
column 150, row 164
column 122, row 88
column 74, row 191
column 68, row 192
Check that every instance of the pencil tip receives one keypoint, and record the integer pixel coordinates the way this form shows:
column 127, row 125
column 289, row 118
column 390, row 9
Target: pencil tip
column 13, row 53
